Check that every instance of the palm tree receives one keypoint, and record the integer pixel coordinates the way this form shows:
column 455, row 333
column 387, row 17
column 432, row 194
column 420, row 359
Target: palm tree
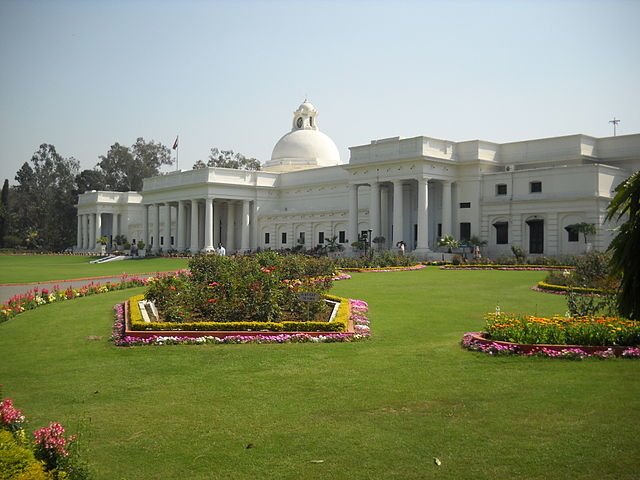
column 449, row 242
column 625, row 259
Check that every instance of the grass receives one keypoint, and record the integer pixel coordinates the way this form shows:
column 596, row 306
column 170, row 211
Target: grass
column 381, row 409
column 43, row 268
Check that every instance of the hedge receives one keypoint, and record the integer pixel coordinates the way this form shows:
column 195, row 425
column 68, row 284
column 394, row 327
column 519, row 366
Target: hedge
column 339, row 324
column 566, row 289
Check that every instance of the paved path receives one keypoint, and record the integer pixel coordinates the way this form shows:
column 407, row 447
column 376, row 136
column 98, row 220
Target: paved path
column 8, row 291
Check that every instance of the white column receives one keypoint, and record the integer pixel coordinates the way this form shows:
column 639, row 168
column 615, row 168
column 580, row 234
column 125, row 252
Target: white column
column 398, row 225
column 216, row 224
column 167, row 227
column 208, row 225
column 98, row 229
column 79, row 233
column 353, row 213
column 194, row 227
column 384, row 215
column 374, row 210
column 245, row 232
column 231, row 237
column 145, row 226
column 156, row 228
column 182, row 227
column 446, row 208
column 114, row 227
column 255, row 241
column 92, row 232
column 423, row 217
column 85, row 232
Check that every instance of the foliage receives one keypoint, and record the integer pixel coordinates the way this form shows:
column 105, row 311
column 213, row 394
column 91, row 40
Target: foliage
column 42, row 202
column 88, row 180
column 475, row 241
column 581, row 305
column 48, row 456
column 585, row 229
column 557, row 330
column 592, row 270
column 125, row 168
column 518, row 252
column 102, row 240
column 229, row 159
column 448, row 241
column 381, row 259
column 625, row 260
column 4, row 212
column 255, row 288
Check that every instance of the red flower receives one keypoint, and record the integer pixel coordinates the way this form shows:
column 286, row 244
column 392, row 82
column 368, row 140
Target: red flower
column 212, row 300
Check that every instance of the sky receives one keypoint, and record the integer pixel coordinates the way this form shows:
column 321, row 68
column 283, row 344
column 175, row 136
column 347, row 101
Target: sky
column 82, row 75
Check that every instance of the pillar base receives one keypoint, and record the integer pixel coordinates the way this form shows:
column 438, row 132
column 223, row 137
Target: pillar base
column 421, row 253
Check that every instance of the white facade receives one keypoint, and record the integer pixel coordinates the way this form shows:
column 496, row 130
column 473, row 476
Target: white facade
column 413, row 190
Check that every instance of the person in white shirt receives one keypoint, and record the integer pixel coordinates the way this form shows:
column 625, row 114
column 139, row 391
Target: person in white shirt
column 221, row 250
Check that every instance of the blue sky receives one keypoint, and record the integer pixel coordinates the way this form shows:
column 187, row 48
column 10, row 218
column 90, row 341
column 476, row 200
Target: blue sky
column 83, row 75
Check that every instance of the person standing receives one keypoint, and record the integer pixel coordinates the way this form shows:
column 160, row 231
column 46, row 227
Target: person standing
column 221, row 250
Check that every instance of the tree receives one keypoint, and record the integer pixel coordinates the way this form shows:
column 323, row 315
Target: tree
column 229, row 159
column 625, row 259
column 124, row 168
column 88, row 180
column 199, row 165
column 585, row 229
column 44, row 200
column 4, row 211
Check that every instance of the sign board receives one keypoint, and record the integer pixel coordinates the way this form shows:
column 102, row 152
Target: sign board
column 308, row 297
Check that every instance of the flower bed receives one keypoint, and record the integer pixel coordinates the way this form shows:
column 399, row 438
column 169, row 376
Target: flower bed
column 38, row 297
column 470, row 266
column 383, row 269
column 478, row 341
column 357, row 329
column 571, row 337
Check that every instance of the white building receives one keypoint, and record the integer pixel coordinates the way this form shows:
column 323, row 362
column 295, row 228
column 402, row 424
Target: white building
column 415, row 190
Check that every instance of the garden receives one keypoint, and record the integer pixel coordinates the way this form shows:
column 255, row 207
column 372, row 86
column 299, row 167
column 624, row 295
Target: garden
column 388, row 407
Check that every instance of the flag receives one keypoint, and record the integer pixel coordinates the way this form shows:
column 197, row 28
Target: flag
column 175, row 144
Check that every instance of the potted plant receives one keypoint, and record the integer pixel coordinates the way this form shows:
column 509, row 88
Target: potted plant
column 127, row 248
column 141, row 248
column 102, row 241
column 449, row 242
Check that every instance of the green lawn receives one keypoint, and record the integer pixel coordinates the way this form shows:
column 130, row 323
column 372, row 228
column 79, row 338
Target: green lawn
column 42, row 268
column 381, row 409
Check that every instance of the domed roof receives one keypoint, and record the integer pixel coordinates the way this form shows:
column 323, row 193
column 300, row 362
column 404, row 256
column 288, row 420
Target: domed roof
column 304, row 146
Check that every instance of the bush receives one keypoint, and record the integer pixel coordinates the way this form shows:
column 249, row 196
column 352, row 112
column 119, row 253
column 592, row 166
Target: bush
column 257, row 288
column 17, row 461
column 592, row 270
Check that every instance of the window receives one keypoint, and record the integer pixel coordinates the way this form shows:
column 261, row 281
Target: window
column 161, row 240
column 172, row 240
column 536, row 236
column 267, row 238
column 320, row 237
column 284, row 238
column 465, row 205
column 502, row 233
column 501, row 189
column 535, row 187
column 364, row 236
column 573, row 233
column 439, row 230
column 301, row 238
column 465, row 231
column 342, row 237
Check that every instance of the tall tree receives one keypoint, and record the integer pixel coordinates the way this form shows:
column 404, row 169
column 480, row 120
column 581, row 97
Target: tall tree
column 88, row 180
column 45, row 195
column 229, row 159
column 624, row 247
column 4, row 211
column 125, row 168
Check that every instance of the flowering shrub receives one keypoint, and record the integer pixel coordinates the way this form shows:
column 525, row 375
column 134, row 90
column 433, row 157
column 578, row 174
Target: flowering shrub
column 383, row 259
column 559, row 330
column 257, row 288
column 355, row 310
column 47, row 456
column 52, row 445
column 11, row 418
